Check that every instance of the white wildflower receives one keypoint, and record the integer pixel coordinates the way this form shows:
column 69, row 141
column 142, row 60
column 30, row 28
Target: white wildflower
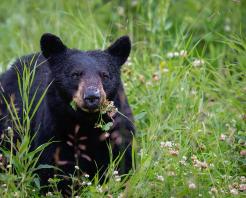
column 9, row 128
column 83, row 183
column 243, row 179
column 9, row 166
column 173, row 152
column 199, row 164
column 87, row 175
column 171, row 173
column 140, row 153
column 167, row 144
column 115, row 172
column 223, row 137
column 214, row 190
column 129, row 63
column 160, row 177
column 192, row 186
column 176, row 54
column 183, row 53
column 49, row 194
column 234, row 191
column 198, row 62
column 99, row 189
column 183, row 160
column 170, row 55
column 211, row 165
column 117, row 178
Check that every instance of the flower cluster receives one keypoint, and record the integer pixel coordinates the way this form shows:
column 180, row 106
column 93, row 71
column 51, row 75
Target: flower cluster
column 171, row 146
column 182, row 53
column 183, row 161
column 199, row 164
column 198, row 62
column 109, row 108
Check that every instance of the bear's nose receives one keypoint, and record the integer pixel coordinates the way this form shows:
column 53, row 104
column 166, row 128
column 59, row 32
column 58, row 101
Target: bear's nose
column 92, row 98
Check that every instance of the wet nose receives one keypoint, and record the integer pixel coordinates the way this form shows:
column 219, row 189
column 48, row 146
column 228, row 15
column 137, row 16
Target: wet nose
column 92, row 97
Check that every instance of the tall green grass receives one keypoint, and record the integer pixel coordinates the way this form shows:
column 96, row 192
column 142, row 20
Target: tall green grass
column 185, row 81
column 18, row 174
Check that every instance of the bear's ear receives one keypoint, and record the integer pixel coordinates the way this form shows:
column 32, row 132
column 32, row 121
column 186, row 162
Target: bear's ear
column 120, row 49
column 51, row 45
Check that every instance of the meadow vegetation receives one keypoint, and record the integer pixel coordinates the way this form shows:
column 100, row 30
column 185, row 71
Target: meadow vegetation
column 185, row 81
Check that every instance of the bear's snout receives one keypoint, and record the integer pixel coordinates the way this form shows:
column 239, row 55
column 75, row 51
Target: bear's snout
column 92, row 97
column 89, row 97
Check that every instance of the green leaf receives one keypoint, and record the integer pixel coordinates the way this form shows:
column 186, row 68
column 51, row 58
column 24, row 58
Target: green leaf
column 107, row 126
column 73, row 105
column 45, row 166
column 24, row 147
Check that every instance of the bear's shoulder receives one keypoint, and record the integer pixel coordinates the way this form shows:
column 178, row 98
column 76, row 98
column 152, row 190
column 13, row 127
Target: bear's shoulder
column 30, row 61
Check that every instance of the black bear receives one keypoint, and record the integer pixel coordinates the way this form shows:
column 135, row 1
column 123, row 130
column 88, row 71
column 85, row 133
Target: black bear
column 88, row 79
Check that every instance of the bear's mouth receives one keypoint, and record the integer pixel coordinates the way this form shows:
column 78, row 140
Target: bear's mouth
column 88, row 110
column 76, row 105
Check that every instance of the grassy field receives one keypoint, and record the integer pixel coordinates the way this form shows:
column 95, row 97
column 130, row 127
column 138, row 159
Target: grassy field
column 185, row 81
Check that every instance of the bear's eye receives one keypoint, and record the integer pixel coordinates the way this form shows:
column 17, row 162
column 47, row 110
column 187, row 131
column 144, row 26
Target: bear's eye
column 105, row 76
column 76, row 75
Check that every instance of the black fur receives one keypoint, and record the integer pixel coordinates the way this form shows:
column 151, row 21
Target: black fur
column 57, row 121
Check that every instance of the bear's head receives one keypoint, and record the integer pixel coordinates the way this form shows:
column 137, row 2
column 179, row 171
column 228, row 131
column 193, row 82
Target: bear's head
column 86, row 77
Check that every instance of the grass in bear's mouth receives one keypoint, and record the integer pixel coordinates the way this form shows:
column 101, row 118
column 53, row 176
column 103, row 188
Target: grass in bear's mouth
column 108, row 108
